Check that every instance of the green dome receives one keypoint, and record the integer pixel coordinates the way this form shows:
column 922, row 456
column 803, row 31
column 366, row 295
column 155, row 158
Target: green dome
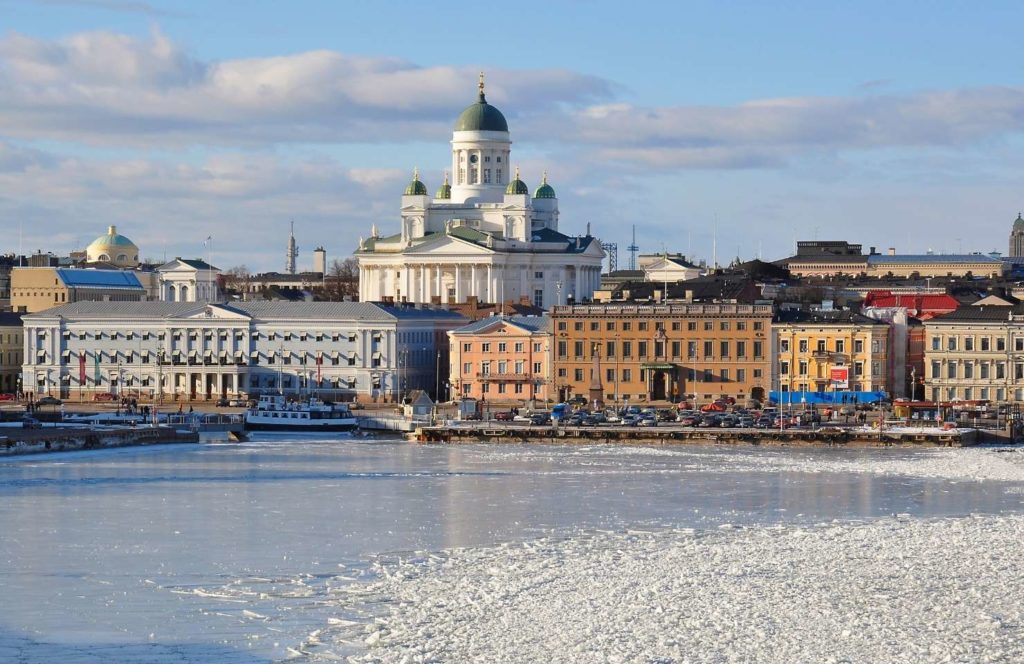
column 416, row 188
column 545, row 190
column 1018, row 223
column 517, row 186
column 481, row 116
column 444, row 192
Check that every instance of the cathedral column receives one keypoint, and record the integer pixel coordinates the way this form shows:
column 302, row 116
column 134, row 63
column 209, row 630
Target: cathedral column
column 423, row 283
column 473, row 290
column 439, row 293
column 458, row 283
column 490, row 285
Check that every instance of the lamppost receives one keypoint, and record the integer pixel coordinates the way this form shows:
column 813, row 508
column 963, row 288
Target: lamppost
column 160, row 355
column 437, row 377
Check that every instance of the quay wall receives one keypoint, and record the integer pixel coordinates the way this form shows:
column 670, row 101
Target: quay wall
column 38, row 441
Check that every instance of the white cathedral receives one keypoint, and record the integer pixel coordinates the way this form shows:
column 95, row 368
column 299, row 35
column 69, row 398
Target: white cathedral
column 484, row 236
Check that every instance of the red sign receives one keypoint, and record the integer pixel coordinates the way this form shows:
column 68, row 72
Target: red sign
column 841, row 377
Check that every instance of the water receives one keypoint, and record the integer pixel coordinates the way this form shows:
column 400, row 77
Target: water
column 239, row 552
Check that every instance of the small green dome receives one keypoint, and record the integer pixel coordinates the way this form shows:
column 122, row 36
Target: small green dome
column 1018, row 223
column 545, row 190
column 517, row 186
column 444, row 192
column 481, row 116
column 416, row 188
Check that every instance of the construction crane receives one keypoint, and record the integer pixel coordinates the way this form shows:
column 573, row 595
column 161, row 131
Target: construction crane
column 612, row 249
column 633, row 250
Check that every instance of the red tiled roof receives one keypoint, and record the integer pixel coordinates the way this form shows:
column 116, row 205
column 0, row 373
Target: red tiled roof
column 922, row 306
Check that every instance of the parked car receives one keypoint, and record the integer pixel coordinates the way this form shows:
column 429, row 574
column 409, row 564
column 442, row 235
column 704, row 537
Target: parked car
column 6, row 396
column 647, row 422
column 48, row 401
column 504, row 416
column 104, row 396
column 746, row 422
column 687, row 420
column 223, row 402
column 31, row 423
column 578, row 400
column 540, row 418
column 522, row 418
column 238, row 403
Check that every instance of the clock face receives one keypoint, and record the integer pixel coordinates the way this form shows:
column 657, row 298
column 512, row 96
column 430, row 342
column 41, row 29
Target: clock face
column 472, row 158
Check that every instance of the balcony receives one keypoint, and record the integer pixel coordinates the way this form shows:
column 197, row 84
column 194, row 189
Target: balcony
column 830, row 356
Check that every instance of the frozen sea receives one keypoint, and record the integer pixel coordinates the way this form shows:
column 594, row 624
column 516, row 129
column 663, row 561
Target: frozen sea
column 380, row 550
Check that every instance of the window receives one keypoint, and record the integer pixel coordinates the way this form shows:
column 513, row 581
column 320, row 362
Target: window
column 536, row 367
column 724, row 326
column 840, row 345
column 609, row 375
column 784, row 368
column 562, row 372
column 858, row 368
column 1018, row 344
column 519, row 347
column 968, row 369
column 1000, row 344
column 536, row 347
column 969, row 343
column 577, row 349
column 936, row 343
column 676, row 326
column 538, row 297
column 1000, row 370
column 803, row 367
column 486, row 347
column 758, row 350
column 858, row 345
column 951, row 370
column 691, row 327
column 487, row 176
column 676, row 348
column 709, row 348
column 502, row 367
column 758, row 325
column 802, row 346
column 610, row 327
column 723, row 348
column 562, row 326
column 627, row 375
column 563, row 349
column 466, row 348
column 538, row 275
column 691, row 349
column 577, row 326
column 641, row 348
column 502, row 347
column 627, row 349
column 820, row 346
column 741, row 349
column 594, row 326
column 741, row 375
column 983, row 369
column 724, row 375
column 986, row 344
column 951, row 342
column 578, row 374
column 708, row 326
column 627, row 326
column 783, row 345
column 467, row 367
column 642, row 326
column 485, row 368
column 609, row 349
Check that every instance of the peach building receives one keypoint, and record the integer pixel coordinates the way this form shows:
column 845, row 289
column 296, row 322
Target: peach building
column 502, row 359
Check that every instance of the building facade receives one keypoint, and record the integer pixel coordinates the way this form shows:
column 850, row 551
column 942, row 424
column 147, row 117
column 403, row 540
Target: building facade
column 38, row 288
column 180, row 351
column 483, row 235
column 10, row 352
column 1017, row 238
column 975, row 353
column 502, row 359
column 830, row 351
column 631, row 352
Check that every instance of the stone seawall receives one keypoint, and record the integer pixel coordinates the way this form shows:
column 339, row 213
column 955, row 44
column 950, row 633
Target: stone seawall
column 41, row 441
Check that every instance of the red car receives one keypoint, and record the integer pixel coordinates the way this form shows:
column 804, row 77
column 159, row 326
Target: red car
column 6, row 397
column 504, row 416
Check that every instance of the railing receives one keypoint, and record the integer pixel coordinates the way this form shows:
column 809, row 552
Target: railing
column 510, row 377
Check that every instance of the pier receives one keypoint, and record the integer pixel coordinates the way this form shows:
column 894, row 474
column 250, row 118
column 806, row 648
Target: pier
column 15, row 442
column 825, row 436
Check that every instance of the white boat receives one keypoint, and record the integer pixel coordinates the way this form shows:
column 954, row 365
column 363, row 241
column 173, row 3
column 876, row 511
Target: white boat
column 275, row 413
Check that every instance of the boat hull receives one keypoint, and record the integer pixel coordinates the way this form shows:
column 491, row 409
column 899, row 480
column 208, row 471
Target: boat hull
column 328, row 425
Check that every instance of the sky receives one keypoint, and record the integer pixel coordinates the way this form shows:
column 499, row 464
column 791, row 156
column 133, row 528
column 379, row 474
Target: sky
column 716, row 129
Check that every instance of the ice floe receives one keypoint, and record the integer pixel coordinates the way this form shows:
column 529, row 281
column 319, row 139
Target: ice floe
column 894, row 590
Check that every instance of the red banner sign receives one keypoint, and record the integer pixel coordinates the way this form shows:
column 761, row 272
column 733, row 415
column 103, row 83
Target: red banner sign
column 841, row 377
column 81, row 369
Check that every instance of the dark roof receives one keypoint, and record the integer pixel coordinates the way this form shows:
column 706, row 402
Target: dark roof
column 761, row 270
column 834, row 317
column 740, row 288
column 979, row 313
column 9, row 318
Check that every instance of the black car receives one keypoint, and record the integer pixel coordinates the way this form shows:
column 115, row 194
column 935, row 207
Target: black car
column 222, row 402
column 48, row 401
column 540, row 419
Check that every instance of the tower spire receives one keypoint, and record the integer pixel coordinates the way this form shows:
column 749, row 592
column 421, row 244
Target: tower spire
column 480, row 86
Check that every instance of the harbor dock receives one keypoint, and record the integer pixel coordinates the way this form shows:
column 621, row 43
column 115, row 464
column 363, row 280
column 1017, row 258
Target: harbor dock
column 825, row 436
column 15, row 442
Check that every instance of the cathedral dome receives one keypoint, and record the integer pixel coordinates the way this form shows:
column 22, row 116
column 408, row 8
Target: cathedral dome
column 517, row 186
column 444, row 192
column 545, row 190
column 113, row 248
column 481, row 116
column 1018, row 223
column 416, row 188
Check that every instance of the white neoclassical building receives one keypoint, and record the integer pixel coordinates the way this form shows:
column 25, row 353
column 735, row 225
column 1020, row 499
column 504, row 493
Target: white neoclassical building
column 188, row 280
column 182, row 351
column 483, row 235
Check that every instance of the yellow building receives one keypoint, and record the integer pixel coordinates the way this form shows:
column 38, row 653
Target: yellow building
column 830, row 351
column 11, row 349
column 39, row 288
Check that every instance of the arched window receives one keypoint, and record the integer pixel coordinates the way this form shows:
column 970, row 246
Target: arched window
column 183, row 292
column 170, row 293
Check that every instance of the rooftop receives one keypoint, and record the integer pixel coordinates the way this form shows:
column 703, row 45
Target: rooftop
column 79, row 278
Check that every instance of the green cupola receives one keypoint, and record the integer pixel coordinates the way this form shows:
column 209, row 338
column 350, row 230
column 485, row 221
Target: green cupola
column 444, row 192
column 545, row 190
column 481, row 116
column 1018, row 223
column 416, row 188
column 517, row 186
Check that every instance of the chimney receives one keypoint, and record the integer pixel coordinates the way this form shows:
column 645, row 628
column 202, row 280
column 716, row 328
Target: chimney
column 871, row 251
column 892, row 251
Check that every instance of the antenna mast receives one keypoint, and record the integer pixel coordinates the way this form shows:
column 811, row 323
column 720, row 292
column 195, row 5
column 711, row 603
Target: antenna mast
column 633, row 249
column 291, row 253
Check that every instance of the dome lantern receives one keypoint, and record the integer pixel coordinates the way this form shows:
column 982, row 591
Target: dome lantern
column 545, row 190
column 517, row 186
column 444, row 192
column 416, row 188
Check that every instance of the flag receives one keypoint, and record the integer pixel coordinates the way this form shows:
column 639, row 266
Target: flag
column 81, row 368
column 319, row 362
column 97, row 376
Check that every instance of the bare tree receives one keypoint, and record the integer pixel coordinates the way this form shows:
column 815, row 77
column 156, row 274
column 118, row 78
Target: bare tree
column 341, row 280
column 237, row 279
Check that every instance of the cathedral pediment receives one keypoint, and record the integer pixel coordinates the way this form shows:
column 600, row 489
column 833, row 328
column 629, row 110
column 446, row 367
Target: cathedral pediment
column 448, row 245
